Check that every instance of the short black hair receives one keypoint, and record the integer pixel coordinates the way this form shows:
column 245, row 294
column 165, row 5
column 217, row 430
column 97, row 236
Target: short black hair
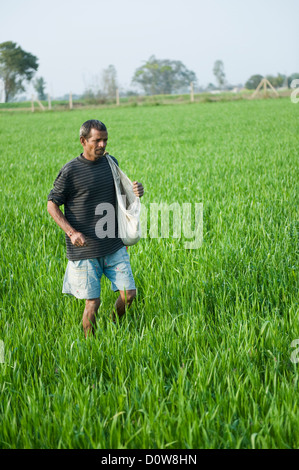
column 91, row 124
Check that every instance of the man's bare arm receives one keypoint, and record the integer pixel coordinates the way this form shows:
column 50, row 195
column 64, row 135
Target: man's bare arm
column 77, row 238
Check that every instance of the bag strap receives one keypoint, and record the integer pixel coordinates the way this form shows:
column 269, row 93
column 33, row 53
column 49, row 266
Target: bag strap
column 114, row 168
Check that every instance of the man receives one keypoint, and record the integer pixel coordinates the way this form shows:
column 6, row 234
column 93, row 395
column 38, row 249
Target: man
column 81, row 185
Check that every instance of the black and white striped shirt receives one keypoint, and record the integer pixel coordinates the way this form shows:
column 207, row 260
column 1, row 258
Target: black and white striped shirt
column 81, row 186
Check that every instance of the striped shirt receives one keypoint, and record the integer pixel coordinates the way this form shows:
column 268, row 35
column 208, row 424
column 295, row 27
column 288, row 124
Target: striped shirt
column 86, row 189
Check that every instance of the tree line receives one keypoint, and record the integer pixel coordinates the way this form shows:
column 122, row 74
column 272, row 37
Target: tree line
column 154, row 77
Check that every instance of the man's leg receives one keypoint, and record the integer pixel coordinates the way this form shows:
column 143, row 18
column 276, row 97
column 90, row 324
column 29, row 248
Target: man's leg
column 123, row 302
column 89, row 316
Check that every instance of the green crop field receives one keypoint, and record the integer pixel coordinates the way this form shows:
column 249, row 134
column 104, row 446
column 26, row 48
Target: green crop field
column 205, row 358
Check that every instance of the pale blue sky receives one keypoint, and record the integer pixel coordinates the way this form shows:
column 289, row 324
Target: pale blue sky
column 75, row 40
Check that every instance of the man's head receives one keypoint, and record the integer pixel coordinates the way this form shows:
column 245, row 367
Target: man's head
column 91, row 124
column 93, row 137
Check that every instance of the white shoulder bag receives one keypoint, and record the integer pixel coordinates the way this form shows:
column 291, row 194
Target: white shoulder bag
column 128, row 206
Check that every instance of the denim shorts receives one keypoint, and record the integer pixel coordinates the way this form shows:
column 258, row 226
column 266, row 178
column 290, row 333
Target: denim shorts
column 83, row 278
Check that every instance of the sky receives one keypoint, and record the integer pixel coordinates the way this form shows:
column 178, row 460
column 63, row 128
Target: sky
column 75, row 40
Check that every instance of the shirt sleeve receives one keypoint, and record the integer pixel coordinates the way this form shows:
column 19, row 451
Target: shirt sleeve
column 59, row 193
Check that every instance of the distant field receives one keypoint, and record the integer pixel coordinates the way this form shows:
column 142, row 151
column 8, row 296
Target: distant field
column 133, row 100
column 203, row 359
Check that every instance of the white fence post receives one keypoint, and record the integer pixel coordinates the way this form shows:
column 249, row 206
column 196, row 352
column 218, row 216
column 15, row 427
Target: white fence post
column 40, row 104
column 191, row 93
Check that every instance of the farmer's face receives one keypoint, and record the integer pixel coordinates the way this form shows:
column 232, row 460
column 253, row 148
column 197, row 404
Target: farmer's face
column 95, row 145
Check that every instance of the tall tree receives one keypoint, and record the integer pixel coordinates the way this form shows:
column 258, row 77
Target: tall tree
column 277, row 81
column 163, row 76
column 109, row 82
column 253, row 82
column 16, row 65
column 218, row 71
column 39, row 86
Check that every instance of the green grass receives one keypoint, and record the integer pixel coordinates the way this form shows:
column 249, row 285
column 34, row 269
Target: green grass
column 202, row 360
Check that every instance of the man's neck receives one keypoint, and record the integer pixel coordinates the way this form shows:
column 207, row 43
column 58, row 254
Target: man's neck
column 91, row 157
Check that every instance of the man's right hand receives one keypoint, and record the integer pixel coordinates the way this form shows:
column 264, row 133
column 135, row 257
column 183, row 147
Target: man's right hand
column 77, row 238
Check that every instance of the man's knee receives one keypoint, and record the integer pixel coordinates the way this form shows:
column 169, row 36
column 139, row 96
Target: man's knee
column 92, row 305
column 128, row 296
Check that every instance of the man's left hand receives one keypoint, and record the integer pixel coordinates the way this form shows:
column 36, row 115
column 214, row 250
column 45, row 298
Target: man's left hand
column 138, row 189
